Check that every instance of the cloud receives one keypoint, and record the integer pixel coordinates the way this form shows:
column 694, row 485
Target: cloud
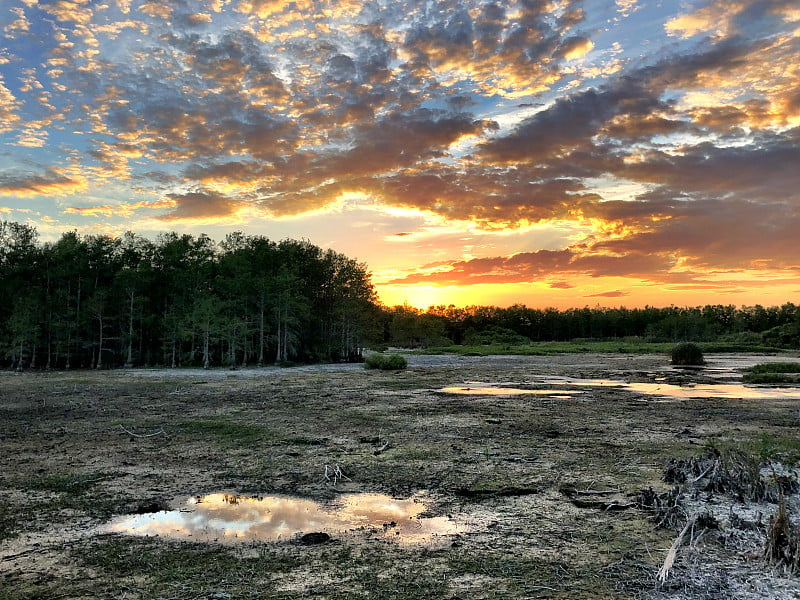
column 9, row 105
column 199, row 206
column 125, row 209
column 51, row 182
column 284, row 107
column 609, row 294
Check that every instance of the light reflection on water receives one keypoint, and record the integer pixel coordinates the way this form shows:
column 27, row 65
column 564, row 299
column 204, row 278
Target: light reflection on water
column 234, row 519
column 504, row 391
column 663, row 390
column 721, row 390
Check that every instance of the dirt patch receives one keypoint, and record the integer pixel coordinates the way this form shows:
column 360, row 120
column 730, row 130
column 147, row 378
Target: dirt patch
column 546, row 486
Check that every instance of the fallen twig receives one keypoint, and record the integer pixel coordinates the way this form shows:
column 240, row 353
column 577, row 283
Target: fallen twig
column 143, row 435
column 335, row 473
column 382, row 448
column 663, row 572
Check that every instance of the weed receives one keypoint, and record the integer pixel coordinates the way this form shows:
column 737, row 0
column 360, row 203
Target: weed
column 226, row 431
column 778, row 372
column 65, row 483
column 386, row 362
column 783, row 540
column 166, row 564
column 687, row 354
column 785, row 448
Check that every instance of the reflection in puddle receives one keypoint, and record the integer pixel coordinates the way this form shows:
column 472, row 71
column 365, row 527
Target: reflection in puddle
column 233, row 519
column 504, row 391
column 697, row 391
column 662, row 390
column 725, row 390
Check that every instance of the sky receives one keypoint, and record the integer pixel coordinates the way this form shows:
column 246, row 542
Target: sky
column 556, row 153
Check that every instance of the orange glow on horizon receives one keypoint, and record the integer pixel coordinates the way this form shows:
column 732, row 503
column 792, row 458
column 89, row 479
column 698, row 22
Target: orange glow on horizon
column 610, row 293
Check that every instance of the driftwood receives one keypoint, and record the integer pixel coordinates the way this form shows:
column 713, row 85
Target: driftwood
column 595, row 499
column 663, row 572
column 698, row 522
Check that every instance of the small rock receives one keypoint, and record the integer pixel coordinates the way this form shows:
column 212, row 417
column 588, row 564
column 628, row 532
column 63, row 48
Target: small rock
column 317, row 537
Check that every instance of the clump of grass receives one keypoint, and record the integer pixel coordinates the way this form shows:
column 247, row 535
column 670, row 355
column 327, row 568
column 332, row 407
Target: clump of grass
column 777, row 372
column 224, row 429
column 783, row 540
column 65, row 483
column 783, row 448
column 687, row 354
column 386, row 362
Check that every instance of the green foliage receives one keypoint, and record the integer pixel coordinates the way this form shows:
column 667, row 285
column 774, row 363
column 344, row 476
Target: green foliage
column 64, row 483
column 98, row 302
column 783, row 336
column 783, row 448
column 181, row 300
column 725, row 327
column 687, row 354
column 776, row 367
column 494, row 335
column 777, row 372
column 552, row 348
column 386, row 362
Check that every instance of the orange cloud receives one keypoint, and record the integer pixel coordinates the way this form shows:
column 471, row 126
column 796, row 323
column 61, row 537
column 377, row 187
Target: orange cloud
column 125, row 209
column 52, row 183
column 200, row 205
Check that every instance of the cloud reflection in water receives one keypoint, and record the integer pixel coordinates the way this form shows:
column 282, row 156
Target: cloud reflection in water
column 231, row 519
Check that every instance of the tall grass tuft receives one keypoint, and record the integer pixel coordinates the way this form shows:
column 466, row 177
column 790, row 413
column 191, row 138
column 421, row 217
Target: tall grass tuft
column 386, row 362
column 687, row 354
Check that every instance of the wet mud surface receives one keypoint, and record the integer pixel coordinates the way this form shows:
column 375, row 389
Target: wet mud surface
column 543, row 486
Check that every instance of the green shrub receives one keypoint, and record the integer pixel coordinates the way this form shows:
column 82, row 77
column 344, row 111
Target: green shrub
column 494, row 335
column 386, row 362
column 783, row 336
column 777, row 372
column 687, row 354
column 776, row 367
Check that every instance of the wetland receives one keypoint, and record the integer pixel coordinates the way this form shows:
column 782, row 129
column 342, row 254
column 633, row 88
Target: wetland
column 481, row 477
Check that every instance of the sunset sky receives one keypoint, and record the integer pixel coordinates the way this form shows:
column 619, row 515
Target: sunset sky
column 563, row 153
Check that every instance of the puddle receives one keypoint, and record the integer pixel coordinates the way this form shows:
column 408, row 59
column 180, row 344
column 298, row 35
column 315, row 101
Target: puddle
column 721, row 390
column 230, row 519
column 506, row 391
column 658, row 389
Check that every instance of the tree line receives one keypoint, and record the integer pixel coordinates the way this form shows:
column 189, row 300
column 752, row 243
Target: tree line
column 184, row 300
column 99, row 301
column 407, row 326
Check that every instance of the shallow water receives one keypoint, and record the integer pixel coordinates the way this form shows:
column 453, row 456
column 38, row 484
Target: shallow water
column 480, row 390
column 713, row 390
column 233, row 519
column 658, row 389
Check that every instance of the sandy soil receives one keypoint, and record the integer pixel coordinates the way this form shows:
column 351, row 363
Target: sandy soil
column 545, row 488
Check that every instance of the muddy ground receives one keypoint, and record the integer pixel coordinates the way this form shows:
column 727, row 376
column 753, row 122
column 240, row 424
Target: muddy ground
column 545, row 490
